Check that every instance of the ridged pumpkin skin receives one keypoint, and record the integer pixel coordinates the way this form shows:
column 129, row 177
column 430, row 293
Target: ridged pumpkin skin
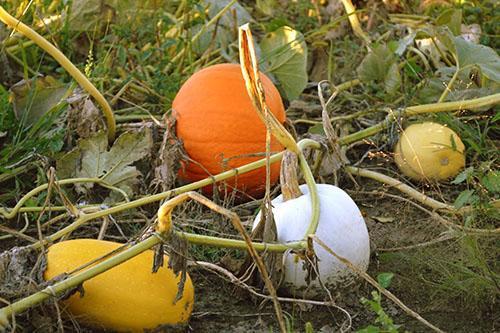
column 129, row 297
column 216, row 120
column 429, row 151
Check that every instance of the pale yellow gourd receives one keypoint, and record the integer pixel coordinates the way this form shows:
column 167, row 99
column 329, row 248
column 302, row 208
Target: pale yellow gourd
column 429, row 151
column 128, row 297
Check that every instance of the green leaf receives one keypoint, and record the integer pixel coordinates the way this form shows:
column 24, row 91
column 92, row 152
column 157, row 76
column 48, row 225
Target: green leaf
column 392, row 80
column 462, row 176
column 380, row 66
column 32, row 99
column 92, row 159
column 285, row 54
column 496, row 117
column 464, row 198
column 266, row 6
column 317, row 129
column 235, row 15
column 492, row 181
column 452, row 18
column 369, row 329
column 385, row 279
column 479, row 56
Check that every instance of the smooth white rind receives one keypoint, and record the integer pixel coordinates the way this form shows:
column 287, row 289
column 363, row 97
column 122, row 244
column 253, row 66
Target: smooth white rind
column 341, row 227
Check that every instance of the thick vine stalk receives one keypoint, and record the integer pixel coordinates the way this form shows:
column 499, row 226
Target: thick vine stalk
column 354, row 21
column 83, row 218
column 66, row 64
column 468, row 104
column 73, row 281
column 164, row 227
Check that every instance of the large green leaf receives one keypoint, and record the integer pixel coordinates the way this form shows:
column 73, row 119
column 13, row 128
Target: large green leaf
column 234, row 17
column 91, row 159
column 452, row 18
column 223, row 34
column 284, row 53
column 32, row 99
column 479, row 56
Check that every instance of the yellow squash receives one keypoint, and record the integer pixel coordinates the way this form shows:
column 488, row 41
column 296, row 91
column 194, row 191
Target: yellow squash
column 129, row 297
column 429, row 151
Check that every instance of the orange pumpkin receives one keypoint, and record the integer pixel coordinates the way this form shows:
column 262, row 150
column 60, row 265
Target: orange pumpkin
column 221, row 130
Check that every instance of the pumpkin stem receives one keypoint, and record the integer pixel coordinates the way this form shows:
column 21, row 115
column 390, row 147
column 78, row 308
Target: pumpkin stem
column 288, row 176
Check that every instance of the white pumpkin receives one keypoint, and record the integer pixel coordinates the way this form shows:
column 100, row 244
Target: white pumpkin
column 341, row 227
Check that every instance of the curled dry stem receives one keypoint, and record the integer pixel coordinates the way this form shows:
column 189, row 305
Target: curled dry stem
column 66, row 64
column 253, row 84
column 374, row 283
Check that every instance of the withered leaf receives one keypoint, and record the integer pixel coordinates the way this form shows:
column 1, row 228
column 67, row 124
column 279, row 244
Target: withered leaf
column 92, row 159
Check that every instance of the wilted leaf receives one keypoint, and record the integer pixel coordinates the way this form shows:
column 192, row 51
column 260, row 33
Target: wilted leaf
column 92, row 159
column 85, row 15
column 380, row 66
column 84, row 117
column 284, row 52
column 404, row 43
column 34, row 98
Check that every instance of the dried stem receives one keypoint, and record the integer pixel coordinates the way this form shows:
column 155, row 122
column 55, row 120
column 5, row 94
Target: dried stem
column 288, row 176
column 255, row 91
column 413, row 193
column 165, row 225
